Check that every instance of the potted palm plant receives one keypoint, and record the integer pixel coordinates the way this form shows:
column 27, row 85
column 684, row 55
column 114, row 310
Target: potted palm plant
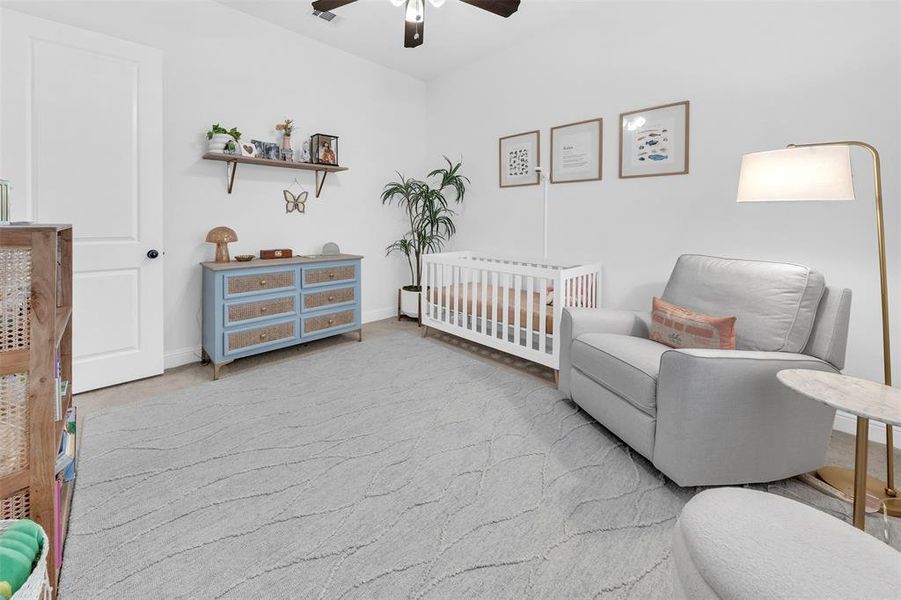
column 430, row 221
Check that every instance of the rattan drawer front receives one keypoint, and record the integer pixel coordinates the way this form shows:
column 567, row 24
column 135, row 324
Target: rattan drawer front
column 329, row 275
column 320, row 299
column 260, row 335
column 245, row 311
column 263, row 282
column 314, row 324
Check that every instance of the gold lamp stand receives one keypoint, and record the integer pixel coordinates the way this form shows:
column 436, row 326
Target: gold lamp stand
column 843, row 479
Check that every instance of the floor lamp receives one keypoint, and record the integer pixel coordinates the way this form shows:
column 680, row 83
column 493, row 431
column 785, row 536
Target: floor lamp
column 822, row 172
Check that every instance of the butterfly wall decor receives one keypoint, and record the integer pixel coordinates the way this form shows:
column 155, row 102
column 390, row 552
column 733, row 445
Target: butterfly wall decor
column 298, row 202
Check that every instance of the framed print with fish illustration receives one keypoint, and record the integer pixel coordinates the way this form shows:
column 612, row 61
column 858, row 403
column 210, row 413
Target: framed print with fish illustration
column 518, row 155
column 576, row 151
column 654, row 141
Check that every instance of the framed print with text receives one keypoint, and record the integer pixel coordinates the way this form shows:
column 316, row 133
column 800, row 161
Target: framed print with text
column 518, row 155
column 576, row 151
column 654, row 141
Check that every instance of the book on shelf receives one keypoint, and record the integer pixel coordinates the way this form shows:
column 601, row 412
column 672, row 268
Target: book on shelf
column 65, row 458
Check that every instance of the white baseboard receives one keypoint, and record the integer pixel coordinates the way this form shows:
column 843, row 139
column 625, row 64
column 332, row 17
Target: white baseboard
column 848, row 423
column 191, row 354
column 181, row 356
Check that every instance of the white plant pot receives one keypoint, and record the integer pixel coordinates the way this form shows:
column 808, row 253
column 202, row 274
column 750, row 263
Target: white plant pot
column 409, row 303
column 218, row 141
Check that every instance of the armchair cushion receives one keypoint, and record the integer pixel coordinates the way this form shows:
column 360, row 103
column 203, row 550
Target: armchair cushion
column 775, row 303
column 625, row 365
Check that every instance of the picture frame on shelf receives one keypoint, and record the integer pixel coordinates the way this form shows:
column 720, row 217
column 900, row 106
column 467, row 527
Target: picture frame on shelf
column 577, row 151
column 324, row 149
column 655, row 141
column 518, row 157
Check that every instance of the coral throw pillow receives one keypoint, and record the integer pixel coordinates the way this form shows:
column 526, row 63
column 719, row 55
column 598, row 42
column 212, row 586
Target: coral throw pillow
column 679, row 327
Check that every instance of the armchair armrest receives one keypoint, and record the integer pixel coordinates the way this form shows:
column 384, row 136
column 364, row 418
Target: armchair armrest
column 576, row 321
column 724, row 418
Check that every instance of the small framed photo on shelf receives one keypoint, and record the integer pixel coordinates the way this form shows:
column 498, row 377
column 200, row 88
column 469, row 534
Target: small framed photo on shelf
column 576, row 151
column 518, row 155
column 324, row 149
column 654, row 141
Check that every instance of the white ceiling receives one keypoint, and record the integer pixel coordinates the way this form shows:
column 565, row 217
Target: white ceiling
column 455, row 34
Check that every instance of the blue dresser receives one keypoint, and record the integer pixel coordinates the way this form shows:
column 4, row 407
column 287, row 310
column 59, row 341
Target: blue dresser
column 263, row 305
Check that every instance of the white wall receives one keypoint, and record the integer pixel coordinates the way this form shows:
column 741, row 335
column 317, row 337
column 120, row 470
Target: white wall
column 758, row 77
column 223, row 66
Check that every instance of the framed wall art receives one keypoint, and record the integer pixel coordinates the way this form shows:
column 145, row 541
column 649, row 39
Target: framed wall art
column 576, row 151
column 518, row 155
column 654, row 141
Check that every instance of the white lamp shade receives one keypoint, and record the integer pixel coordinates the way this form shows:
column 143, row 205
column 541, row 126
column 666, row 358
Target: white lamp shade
column 817, row 173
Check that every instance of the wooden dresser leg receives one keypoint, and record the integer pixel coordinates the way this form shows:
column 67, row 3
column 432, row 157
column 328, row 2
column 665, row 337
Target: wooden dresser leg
column 217, row 367
column 556, row 377
column 425, row 331
column 361, row 334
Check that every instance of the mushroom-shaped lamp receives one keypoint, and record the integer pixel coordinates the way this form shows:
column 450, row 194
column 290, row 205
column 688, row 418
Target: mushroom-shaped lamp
column 221, row 236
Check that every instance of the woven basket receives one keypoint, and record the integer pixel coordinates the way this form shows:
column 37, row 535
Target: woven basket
column 37, row 586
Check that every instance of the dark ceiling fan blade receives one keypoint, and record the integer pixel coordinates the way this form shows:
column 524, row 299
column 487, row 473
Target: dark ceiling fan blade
column 330, row 5
column 503, row 8
column 414, row 32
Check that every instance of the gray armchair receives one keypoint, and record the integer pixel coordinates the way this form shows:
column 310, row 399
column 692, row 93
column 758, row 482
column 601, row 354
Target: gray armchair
column 714, row 417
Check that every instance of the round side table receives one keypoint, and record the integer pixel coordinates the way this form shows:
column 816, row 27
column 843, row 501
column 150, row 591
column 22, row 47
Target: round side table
column 864, row 399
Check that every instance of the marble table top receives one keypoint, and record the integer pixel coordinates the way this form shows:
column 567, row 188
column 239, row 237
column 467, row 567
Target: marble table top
column 857, row 396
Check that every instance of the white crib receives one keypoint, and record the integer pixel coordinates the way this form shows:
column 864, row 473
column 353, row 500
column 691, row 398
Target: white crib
column 503, row 303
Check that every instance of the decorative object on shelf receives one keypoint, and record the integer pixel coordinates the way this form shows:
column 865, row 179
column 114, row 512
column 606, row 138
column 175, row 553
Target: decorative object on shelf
column 276, row 253
column 823, row 172
column 287, row 154
column 233, row 160
column 221, row 236
column 248, row 149
column 325, row 149
column 305, row 152
column 330, row 249
column 286, row 127
column 431, row 223
column 244, row 257
column 4, row 202
column 414, row 13
column 218, row 137
column 654, row 141
column 518, row 157
column 268, row 150
column 576, row 151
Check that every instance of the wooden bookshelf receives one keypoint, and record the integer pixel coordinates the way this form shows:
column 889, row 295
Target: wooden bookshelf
column 232, row 161
column 35, row 329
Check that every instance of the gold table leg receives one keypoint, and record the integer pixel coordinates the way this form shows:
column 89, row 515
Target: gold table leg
column 860, row 472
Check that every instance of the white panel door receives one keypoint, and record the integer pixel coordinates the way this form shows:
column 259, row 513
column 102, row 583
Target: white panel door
column 81, row 116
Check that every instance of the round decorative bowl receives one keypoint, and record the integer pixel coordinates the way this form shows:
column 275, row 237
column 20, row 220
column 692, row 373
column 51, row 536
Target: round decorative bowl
column 244, row 257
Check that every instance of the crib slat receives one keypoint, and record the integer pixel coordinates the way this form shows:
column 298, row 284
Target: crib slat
column 494, row 306
column 455, row 292
column 485, row 284
column 505, row 315
column 464, row 280
column 530, row 324
column 542, row 315
column 517, row 296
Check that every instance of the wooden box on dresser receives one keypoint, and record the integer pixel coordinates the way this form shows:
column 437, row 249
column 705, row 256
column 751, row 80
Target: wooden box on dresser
column 263, row 305
column 35, row 358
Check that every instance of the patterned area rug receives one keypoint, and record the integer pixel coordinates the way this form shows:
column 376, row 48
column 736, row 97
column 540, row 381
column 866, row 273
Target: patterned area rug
column 399, row 467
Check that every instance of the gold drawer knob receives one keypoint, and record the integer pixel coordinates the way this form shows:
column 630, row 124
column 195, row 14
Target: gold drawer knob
column 330, row 321
column 330, row 298
column 262, row 282
column 331, row 275
column 264, row 308
column 263, row 336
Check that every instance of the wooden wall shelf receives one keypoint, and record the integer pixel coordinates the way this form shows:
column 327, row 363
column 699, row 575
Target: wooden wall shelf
column 231, row 167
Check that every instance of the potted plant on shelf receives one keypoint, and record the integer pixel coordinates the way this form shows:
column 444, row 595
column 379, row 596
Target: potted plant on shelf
column 431, row 222
column 221, row 138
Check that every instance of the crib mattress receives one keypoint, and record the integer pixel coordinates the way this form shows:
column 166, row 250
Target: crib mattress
column 474, row 293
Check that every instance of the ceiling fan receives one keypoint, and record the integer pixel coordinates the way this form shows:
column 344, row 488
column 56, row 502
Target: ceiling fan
column 414, row 14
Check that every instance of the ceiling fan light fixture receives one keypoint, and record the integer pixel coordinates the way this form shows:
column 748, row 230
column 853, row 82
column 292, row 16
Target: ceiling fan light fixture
column 437, row 3
column 415, row 11
column 398, row 2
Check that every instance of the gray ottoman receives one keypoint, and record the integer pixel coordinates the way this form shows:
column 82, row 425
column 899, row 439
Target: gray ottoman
column 740, row 543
